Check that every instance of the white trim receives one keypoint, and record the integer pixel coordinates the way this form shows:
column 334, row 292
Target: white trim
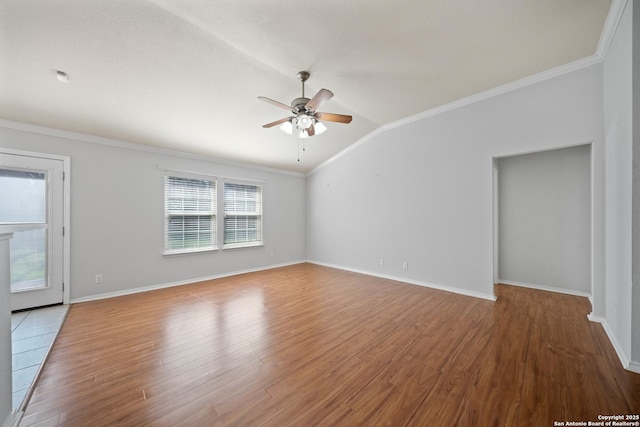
column 460, row 291
column 499, row 90
column 13, row 419
column 624, row 360
column 188, row 173
column 545, row 288
column 347, row 150
column 43, row 130
column 231, row 246
column 508, row 154
column 11, row 228
column 634, row 367
column 610, row 26
column 468, row 100
column 179, row 283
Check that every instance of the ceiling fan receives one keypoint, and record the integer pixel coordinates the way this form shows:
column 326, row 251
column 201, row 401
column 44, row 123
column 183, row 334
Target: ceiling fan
column 305, row 119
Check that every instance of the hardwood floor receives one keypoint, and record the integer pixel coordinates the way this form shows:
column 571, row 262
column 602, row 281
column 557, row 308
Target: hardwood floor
column 309, row 345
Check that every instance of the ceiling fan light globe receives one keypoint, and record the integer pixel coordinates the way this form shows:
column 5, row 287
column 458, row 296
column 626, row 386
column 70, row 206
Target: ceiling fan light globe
column 304, row 121
column 303, row 134
column 287, row 127
column 320, row 128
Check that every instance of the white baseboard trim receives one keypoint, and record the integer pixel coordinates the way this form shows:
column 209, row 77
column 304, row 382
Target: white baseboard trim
column 178, row 283
column 624, row 359
column 460, row 291
column 634, row 367
column 546, row 288
column 13, row 419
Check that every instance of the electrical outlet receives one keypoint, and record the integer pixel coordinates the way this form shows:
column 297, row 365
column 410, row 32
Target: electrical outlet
column 381, row 262
column 405, row 265
column 99, row 279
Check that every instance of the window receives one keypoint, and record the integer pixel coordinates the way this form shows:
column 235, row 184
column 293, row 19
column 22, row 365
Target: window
column 242, row 215
column 190, row 214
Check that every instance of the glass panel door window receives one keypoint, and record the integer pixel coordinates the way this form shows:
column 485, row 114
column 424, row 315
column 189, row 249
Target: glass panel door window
column 32, row 196
column 25, row 193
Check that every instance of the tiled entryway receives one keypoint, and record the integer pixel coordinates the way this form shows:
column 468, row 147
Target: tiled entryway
column 32, row 333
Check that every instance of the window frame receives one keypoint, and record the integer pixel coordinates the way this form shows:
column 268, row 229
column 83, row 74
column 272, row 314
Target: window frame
column 212, row 214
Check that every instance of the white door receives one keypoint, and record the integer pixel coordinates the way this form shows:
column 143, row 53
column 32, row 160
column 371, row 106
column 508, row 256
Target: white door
column 31, row 193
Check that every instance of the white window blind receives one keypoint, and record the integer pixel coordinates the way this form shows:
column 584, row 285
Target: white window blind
column 190, row 214
column 242, row 215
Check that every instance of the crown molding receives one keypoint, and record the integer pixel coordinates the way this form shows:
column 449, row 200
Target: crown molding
column 463, row 102
column 77, row 136
column 347, row 150
column 610, row 25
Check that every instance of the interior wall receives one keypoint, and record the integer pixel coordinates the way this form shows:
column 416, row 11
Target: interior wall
column 635, row 251
column 544, row 217
column 617, row 80
column 422, row 192
column 117, row 215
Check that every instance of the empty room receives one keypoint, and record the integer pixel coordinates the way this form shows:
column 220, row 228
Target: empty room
column 347, row 213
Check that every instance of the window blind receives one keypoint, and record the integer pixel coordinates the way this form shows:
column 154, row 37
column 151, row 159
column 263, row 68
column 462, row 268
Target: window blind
column 190, row 214
column 242, row 215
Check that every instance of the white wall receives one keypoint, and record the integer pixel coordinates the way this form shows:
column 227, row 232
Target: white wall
column 117, row 215
column 422, row 192
column 635, row 320
column 545, row 219
column 617, row 79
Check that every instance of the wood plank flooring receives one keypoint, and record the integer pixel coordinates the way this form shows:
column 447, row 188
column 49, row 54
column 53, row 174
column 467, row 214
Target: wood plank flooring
column 307, row 345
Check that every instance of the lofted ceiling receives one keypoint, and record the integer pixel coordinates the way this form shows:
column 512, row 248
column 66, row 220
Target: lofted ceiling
column 185, row 74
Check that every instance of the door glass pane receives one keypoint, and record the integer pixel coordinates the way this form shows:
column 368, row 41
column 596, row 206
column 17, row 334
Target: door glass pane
column 28, row 260
column 23, row 200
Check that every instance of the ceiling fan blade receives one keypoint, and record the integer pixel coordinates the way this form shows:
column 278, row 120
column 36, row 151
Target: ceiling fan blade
column 277, row 122
column 318, row 99
column 276, row 103
column 311, row 130
column 330, row 117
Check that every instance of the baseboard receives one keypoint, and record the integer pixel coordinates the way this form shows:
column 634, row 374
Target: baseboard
column 13, row 419
column 178, row 283
column 634, row 367
column 546, row 288
column 624, row 359
column 460, row 291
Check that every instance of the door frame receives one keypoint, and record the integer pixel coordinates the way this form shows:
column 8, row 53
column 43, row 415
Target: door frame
column 66, row 210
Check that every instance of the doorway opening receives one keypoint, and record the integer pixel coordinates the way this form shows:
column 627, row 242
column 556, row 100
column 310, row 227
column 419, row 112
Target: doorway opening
column 542, row 220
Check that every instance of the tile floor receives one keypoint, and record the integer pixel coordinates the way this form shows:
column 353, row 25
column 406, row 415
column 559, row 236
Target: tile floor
column 32, row 333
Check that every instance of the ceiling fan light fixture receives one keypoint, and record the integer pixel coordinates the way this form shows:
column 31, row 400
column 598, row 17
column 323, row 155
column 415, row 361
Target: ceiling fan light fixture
column 303, row 134
column 287, row 127
column 320, row 128
column 304, row 121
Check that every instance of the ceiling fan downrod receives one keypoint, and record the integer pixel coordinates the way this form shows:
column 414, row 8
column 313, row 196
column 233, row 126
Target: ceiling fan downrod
column 303, row 76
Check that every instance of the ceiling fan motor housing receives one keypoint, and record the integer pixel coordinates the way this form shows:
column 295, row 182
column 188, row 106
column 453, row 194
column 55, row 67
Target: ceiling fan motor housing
column 298, row 104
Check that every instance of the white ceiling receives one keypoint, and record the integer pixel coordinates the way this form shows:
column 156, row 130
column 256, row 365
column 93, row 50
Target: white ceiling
column 185, row 74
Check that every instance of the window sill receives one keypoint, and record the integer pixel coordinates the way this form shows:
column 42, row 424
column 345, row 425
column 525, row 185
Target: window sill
column 242, row 245
column 189, row 251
